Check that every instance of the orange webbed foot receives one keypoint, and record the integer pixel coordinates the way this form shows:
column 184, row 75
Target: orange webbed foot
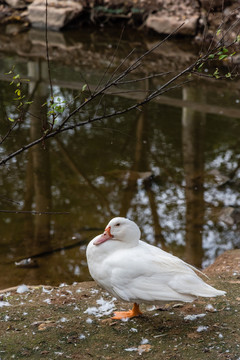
column 118, row 315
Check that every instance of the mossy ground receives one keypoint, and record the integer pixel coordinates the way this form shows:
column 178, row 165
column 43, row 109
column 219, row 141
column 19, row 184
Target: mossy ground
column 52, row 323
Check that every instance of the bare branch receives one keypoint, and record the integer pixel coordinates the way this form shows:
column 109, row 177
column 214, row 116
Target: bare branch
column 32, row 212
column 115, row 81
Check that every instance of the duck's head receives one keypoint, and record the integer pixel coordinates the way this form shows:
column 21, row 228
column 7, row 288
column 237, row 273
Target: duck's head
column 120, row 229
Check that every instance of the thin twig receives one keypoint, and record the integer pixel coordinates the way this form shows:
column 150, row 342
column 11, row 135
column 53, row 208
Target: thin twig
column 144, row 78
column 115, row 82
column 32, row 212
column 9, row 132
column 110, row 63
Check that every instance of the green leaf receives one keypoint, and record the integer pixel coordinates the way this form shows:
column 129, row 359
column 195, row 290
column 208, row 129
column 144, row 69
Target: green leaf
column 222, row 57
column 18, row 92
column 216, row 74
column 219, row 32
column 211, row 56
column 11, row 71
column 10, row 119
column 84, row 87
column 16, row 76
column 228, row 75
column 28, row 102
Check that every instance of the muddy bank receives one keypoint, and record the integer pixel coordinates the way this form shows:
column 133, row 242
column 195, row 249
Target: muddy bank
column 163, row 17
column 72, row 322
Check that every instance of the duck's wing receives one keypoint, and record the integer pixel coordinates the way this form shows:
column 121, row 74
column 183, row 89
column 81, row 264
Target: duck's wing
column 148, row 274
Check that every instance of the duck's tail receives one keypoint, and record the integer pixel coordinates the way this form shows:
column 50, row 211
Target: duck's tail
column 193, row 285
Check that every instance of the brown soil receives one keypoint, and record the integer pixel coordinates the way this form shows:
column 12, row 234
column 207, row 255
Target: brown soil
column 72, row 322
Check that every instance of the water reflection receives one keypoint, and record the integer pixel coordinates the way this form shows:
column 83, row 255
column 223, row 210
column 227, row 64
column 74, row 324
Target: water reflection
column 193, row 129
column 159, row 166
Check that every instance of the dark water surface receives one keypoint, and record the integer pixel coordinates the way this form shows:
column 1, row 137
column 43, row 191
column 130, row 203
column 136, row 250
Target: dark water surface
column 173, row 167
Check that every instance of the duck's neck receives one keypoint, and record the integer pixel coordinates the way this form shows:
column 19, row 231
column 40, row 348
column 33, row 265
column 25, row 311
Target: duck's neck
column 111, row 246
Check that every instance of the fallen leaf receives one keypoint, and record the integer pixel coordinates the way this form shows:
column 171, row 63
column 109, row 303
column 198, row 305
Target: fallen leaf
column 45, row 325
column 178, row 305
column 144, row 348
column 108, row 321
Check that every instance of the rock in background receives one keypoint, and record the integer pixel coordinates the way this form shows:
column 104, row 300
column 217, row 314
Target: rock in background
column 194, row 18
column 59, row 14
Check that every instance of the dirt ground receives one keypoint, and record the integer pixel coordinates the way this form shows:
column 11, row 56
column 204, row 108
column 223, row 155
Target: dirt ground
column 73, row 322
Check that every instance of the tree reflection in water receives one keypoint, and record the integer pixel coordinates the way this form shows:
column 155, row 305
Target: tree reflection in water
column 152, row 166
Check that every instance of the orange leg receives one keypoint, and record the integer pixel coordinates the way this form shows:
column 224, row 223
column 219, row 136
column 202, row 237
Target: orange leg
column 128, row 314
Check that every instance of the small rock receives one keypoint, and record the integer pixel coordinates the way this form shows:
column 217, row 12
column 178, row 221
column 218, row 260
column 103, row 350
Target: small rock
column 60, row 13
column 168, row 24
column 16, row 4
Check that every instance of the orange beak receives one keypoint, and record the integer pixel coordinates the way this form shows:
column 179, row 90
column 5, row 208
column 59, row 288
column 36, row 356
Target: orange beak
column 104, row 237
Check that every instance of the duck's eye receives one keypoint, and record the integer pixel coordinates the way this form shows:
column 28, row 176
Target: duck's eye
column 118, row 224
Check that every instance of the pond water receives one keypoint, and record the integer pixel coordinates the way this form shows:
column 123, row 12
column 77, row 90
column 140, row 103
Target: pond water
column 173, row 167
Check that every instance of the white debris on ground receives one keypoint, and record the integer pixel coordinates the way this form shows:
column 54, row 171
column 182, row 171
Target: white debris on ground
column 144, row 341
column 134, row 330
column 202, row 328
column 89, row 320
column 48, row 301
column 143, row 347
column 193, row 317
column 131, row 349
column 62, row 285
column 105, row 308
column 44, row 290
column 210, row 308
column 94, row 291
column 22, row 289
column 4, row 303
column 125, row 319
column 63, row 319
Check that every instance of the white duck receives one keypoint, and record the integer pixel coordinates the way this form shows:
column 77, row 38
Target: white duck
column 137, row 272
